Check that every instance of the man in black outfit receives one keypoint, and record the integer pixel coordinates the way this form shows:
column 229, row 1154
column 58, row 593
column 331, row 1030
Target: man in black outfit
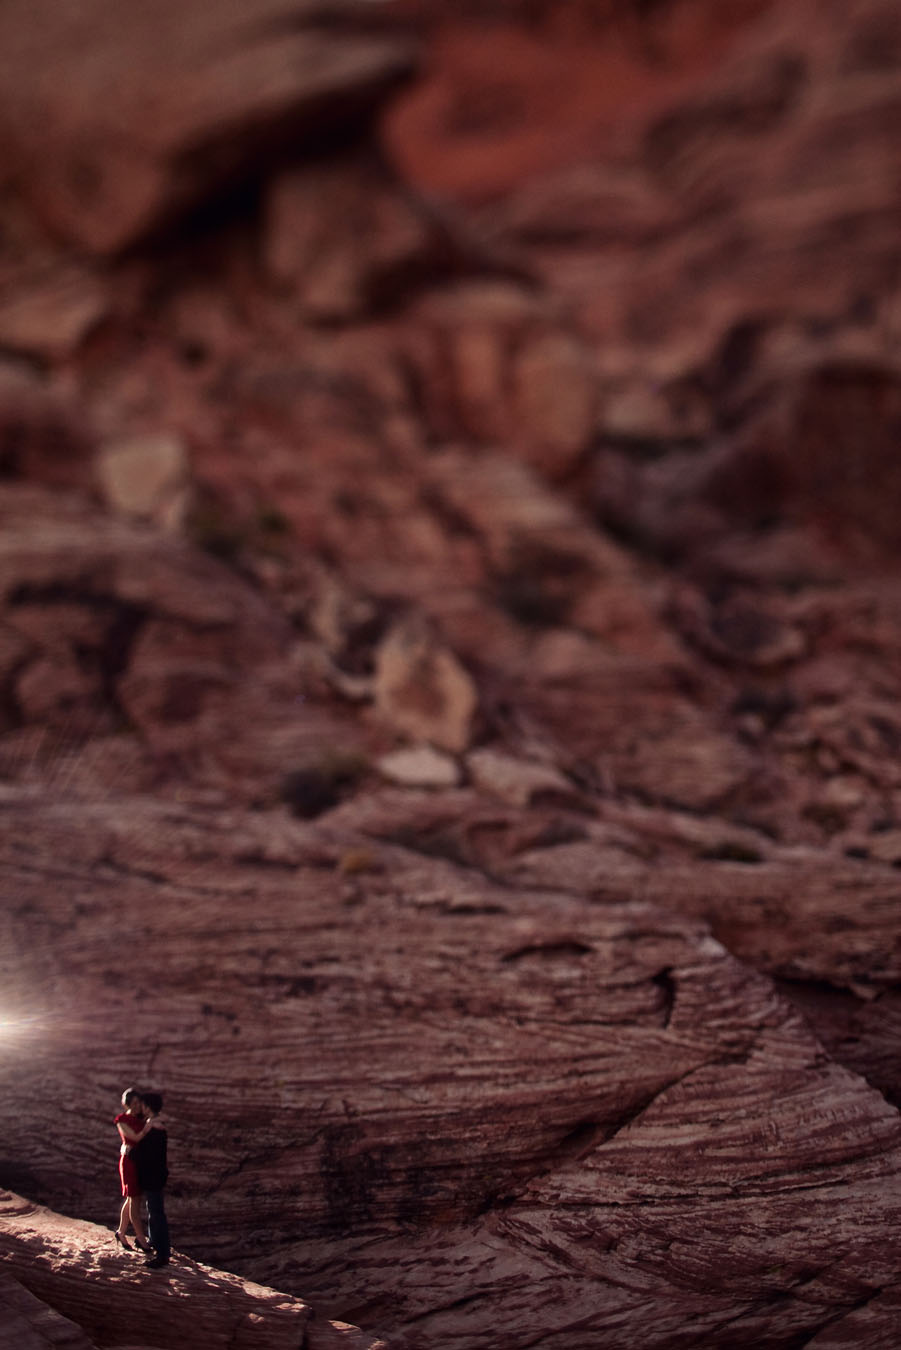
column 150, row 1159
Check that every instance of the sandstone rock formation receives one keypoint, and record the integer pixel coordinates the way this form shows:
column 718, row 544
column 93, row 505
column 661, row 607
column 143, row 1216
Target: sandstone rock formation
column 29, row 1324
column 74, row 1266
column 510, row 1081
column 207, row 93
column 450, row 624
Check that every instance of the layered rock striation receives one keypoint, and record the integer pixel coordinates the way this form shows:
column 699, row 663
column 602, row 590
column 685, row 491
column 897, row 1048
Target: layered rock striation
column 63, row 1281
column 378, row 1053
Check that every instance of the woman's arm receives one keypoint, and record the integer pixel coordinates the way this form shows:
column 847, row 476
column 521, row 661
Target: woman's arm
column 128, row 1135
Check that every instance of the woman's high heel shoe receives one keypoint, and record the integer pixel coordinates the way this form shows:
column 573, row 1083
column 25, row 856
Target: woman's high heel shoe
column 144, row 1246
column 122, row 1241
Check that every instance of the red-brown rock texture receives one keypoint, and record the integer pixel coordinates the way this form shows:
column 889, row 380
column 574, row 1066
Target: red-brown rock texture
column 74, row 1266
column 450, row 669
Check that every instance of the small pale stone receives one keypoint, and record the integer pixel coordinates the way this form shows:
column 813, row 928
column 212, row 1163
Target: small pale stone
column 844, row 792
column 146, row 476
column 420, row 766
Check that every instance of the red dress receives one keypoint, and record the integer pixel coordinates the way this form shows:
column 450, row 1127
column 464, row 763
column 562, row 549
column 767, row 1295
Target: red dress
column 128, row 1172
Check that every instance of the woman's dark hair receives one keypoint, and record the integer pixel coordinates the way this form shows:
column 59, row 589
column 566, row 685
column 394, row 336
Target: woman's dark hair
column 129, row 1094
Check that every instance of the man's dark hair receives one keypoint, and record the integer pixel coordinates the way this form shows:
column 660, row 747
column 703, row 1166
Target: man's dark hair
column 153, row 1100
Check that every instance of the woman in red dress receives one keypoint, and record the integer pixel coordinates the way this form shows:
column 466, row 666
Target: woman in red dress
column 131, row 1126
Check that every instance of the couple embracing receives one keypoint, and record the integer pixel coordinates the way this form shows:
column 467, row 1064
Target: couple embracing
column 143, row 1173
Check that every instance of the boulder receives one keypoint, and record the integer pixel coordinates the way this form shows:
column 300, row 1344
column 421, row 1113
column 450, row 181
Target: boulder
column 422, row 690
column 48, row 316
column 206, row 96
column 113, row 626
column 498, row 364
column 341, row 238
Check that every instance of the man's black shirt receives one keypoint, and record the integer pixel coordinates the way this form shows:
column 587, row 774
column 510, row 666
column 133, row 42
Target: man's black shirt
column 150, row 1160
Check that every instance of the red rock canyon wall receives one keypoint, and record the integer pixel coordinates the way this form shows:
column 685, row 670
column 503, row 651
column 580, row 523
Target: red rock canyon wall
column 450, row 635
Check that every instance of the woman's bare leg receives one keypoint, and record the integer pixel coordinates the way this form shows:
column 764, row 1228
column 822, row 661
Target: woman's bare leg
column 123, row 1217
column 134, row 1213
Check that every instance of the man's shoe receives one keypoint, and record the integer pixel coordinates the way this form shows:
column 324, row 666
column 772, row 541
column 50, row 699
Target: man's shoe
column 156, row 1263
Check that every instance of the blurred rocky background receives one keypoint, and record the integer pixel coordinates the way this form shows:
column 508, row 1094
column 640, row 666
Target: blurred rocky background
column 450, row 658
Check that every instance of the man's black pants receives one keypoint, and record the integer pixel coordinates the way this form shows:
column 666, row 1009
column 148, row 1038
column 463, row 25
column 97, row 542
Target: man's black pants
column 157, row 1224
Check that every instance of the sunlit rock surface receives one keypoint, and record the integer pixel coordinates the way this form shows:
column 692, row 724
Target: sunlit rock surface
column 49, row 1261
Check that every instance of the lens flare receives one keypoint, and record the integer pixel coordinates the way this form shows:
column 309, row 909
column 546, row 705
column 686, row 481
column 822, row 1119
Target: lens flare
column 16, row 1027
